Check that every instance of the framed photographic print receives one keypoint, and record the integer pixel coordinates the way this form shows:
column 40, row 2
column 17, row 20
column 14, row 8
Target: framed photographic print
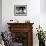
column 20, row 10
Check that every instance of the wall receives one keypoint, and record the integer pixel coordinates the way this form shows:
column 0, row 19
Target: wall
column 33, row 10
column 0, row 15
column 43, row 14
column 43, row 6
column 33, row 14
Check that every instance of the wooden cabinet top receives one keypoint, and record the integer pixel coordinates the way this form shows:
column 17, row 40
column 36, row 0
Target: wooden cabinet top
column 20, row 23
column 20, row 27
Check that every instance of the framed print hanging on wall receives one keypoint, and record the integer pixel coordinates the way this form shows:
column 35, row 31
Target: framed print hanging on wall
column 20, row 10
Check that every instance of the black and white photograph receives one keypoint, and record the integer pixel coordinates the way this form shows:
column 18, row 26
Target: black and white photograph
column 20, row 10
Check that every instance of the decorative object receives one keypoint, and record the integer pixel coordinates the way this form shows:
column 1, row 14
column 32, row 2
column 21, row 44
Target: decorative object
column 20, row 10
column 7, row 38
column 41, row 36
column 45, row 35
column 27, row 21
column 13, row 21
column 1, row 40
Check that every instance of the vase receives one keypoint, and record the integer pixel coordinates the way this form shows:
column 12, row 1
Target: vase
column 41, row 43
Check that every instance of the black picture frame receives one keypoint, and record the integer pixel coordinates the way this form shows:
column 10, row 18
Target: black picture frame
column 20, row 10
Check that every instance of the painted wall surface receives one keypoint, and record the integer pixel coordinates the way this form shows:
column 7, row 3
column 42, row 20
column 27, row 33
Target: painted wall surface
column 33, row 11
column 43, row 14
column 43, row 6
column 0, row 15
column 33, row 14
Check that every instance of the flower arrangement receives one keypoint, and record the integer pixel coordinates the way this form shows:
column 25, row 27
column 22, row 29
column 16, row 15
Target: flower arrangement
column 40, row 34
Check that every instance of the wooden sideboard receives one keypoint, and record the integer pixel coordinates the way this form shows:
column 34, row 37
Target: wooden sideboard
column 22, row 33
